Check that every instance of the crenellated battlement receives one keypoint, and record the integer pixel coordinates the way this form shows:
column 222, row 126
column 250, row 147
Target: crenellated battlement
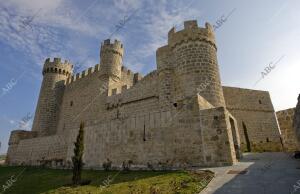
column 149, row 76
column 57, row 66
column 174, row 117
column 145, row 88
column 18, row 135
column 141, row 80
column 111, row 58
column 97, row 68
column 115, row 47
column 126, row 71
column 191, row 32
column 85, row 73
column 286, row 113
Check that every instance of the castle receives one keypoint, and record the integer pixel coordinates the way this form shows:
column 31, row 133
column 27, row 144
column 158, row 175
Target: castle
column 176, row 116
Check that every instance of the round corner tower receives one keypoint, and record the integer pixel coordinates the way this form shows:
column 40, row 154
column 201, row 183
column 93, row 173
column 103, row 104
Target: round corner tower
column 195, row 62
column 111, row 58
column 55, row 74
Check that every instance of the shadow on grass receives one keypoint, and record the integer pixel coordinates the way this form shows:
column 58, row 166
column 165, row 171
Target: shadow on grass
column 37, row 180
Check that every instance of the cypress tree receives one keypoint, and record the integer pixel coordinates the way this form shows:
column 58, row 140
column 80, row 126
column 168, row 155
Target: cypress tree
column 77, row 158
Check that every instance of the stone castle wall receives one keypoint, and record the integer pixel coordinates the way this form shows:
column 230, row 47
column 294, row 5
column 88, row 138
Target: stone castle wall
column 296, row 123
column 47, row 150
column 285, row 119
column 256, row 118
column 142, row 134
column 150, row 138
column 48, row 108
column 174, row 116
column 192, row 54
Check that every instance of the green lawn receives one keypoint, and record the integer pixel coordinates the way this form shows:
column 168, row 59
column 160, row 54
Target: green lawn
column 37, row 180
column 2, row 157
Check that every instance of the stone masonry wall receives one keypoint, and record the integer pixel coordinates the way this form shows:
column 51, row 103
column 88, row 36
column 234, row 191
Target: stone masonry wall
column 52, row 90
column 296, row 122
column 158, row 139
column 194, row 57
column 217, row 135
column 38, row 151
column 285, row 119
column 173, row 117
column 256, row 118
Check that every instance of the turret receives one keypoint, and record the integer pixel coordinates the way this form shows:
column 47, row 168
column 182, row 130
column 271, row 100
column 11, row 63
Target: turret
column 111, row 58
column 193, row 54
column 165, row 76
column 46, row 116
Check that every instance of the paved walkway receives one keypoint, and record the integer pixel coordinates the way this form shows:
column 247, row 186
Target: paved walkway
column 267, row 173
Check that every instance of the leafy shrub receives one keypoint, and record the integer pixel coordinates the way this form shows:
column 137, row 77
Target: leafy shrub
column 126, row 165
column 150, row 166
column 107, row 165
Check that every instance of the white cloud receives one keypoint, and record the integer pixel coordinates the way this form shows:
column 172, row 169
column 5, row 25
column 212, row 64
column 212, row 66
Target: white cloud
column 36, row 27
column 126, row 5
column 25, row 125
column 12, row 122
column 155, row 23
column 43, row 38
column 33, row 5
column 24, row 34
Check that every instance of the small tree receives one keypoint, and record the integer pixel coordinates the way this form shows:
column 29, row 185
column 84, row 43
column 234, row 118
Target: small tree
column 77, row 158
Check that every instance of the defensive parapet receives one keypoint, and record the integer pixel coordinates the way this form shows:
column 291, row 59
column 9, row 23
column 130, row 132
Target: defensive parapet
column 57, row 66
column 192, row 32
column 111, row 58
column 55, row 75
column 194, row 58
column 17, row 135
column 85, row 73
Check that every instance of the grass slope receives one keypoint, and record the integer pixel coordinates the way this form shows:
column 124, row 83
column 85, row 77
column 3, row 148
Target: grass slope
column 2, row 157
column 37, row 180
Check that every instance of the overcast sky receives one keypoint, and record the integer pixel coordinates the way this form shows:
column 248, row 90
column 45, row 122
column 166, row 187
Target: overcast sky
column 254, row 34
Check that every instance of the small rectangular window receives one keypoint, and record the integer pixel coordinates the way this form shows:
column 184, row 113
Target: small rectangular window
column 124, row 88
column 114, row 91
